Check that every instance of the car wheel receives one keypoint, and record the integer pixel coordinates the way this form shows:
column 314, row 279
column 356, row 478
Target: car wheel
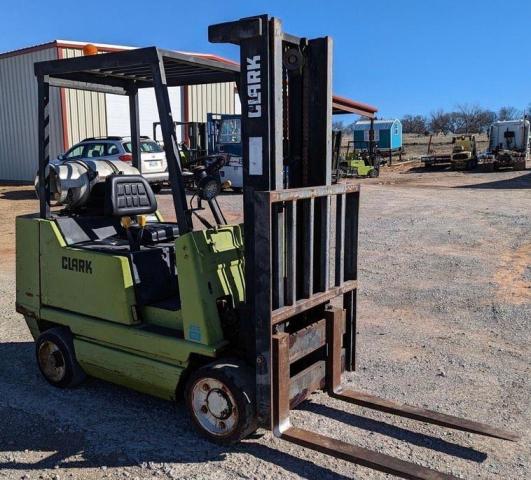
column 220, row 398
column 156, row 187
column 56, row 358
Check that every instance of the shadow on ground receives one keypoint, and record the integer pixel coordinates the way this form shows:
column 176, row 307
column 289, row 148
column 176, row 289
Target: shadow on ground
column 399, row 433
column 76, row 443
column 515, row 183
column 18, row 195
column 99, row 424
column 423, row 169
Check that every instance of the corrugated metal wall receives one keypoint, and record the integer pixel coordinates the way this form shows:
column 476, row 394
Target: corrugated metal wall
column 212, row 98
column 18, row 116
column 118, row 122
column 85, row 112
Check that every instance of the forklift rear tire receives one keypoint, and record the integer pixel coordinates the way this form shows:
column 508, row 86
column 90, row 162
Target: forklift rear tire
column 56, row 358
column 220, row 398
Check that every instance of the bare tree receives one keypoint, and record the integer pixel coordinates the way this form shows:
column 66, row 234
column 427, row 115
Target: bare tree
column 440, row 122
column 471, row 119
column 508, row 113
column 414, row 124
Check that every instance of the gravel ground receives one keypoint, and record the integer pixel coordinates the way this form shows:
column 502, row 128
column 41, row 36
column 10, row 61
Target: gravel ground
column 444, row 311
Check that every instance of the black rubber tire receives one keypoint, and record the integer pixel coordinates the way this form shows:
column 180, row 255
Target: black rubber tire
column 237, row 189
column 62, row 338
column 156, row 187
column 374, row 173
column 240, row 381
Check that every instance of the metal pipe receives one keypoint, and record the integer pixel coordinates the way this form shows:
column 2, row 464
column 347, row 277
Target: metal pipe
column 43, row 89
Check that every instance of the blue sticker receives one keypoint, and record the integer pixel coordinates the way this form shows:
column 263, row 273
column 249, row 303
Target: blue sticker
column 194, row 333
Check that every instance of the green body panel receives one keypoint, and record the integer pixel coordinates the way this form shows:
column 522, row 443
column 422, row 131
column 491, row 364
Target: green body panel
column 134, row 339
column 210, row 265
column 27, row 267
column 144, row 351
column 162, row 318
column 130, row 370
column 360, row 166
column 105, row 291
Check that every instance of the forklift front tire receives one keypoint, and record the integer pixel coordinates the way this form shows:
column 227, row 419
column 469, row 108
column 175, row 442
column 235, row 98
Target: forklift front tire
column 220, row 398
column 56, row 358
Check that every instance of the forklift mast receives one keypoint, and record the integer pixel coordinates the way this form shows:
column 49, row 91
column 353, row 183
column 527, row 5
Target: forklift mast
column 301, row 243
column 285, row 89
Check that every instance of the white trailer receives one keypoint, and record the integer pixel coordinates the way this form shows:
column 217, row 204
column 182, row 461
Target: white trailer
column 509, row 145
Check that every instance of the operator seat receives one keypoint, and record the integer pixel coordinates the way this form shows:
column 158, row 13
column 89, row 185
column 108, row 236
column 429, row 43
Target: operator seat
column 153, row 268
column 131, row 195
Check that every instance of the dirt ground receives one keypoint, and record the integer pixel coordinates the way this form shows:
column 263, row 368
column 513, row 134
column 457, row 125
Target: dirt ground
column 444, row 315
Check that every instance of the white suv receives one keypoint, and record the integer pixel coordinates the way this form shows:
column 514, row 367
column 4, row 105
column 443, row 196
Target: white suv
column 153, row 160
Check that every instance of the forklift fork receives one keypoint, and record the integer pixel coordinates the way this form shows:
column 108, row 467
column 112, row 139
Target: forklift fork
column 311, row 340
column 282, row 427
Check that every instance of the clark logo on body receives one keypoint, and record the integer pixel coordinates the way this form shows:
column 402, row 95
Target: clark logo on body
column 254, row 88
column 77, row 265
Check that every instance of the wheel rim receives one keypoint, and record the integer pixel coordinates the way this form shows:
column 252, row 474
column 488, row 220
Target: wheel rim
column 214, row 407
column 51, row 361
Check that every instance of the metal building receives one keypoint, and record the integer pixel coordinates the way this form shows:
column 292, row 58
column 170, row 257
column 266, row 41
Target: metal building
column 76, row 114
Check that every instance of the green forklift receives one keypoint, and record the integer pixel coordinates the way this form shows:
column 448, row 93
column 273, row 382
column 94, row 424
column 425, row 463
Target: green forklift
column 242, row 321
column 359, row 163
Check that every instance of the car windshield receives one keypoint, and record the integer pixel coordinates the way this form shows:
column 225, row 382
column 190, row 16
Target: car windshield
column 230, row 131
column 146, row 146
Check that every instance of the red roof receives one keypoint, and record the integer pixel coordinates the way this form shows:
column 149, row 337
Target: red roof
column 342, row 105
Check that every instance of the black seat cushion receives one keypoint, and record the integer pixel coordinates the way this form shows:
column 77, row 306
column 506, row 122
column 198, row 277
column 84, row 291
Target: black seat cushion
column 154, row 274
column 128, row 195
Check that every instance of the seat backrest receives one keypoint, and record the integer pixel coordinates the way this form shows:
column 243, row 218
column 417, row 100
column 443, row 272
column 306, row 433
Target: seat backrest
column 128, row 195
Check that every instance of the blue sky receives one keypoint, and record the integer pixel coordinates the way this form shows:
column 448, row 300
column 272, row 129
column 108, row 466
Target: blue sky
column 403, row 56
